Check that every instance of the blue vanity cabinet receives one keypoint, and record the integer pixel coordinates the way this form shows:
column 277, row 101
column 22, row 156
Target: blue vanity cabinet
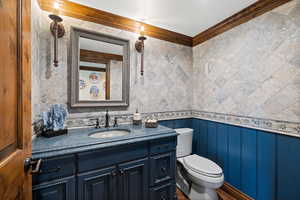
column 61, row 189
column 133, row 180
column 143, row 170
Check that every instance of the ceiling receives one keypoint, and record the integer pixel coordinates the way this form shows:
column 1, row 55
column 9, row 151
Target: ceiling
column 189, row 17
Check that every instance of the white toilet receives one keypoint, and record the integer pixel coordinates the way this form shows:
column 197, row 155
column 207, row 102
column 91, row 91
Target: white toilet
column 196, row 176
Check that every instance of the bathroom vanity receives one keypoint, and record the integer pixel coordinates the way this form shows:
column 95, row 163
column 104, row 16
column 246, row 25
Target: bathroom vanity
column 139, row 165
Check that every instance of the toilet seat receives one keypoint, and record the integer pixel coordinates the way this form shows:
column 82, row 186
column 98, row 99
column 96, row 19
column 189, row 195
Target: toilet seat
column 202, row 166
column 206, row 181
column 209, row 178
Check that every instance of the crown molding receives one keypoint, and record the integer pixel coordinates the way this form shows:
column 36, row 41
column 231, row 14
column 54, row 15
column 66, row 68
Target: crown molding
column 75, row 10
column 71, row 9
column 245, row 15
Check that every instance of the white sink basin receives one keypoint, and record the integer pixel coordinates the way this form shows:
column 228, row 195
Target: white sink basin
column 109, row 134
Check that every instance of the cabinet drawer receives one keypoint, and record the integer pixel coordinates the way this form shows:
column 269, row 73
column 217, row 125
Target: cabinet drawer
column 162, row 167
column 61, row 189
column 164, row 192
column 163, row 145
column 55, row 168
column 92, row 160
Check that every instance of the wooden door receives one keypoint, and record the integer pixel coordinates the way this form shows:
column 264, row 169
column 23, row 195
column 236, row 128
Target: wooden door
column 133, row 180
column 15, row 109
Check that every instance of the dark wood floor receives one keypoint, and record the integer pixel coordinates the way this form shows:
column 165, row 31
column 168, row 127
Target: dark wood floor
column 222, row 194
column 180, row 195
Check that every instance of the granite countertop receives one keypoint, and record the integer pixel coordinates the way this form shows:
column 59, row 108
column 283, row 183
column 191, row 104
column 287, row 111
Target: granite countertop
column 78, row 140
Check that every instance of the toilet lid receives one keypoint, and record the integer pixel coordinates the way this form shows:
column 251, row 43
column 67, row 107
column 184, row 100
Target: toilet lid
column 202, row 165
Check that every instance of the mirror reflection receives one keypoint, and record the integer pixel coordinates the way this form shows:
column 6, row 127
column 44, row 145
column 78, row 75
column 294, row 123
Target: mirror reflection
column 100, row 70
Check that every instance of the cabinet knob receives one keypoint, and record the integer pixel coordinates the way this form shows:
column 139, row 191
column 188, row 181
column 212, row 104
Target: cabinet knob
column 114, row 173
column 163, row 169
column 122, row 172
column 163, row 198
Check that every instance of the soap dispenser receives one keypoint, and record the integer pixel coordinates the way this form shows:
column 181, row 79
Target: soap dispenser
column 137, row 118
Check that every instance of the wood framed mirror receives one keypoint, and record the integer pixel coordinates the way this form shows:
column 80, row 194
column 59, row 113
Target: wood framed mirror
column 99, row 69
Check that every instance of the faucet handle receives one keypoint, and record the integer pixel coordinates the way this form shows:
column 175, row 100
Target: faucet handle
column 116, row 122
column 97, row 125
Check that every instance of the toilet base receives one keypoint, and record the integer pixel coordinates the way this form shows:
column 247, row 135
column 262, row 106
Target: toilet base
column 201, row 193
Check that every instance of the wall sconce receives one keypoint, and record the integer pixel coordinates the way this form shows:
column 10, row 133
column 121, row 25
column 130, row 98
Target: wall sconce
column 58, row 31
column 140, row 47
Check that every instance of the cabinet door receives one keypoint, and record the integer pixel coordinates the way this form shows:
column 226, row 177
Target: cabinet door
column 133, row 180
column 98, row 184
column 62, row 189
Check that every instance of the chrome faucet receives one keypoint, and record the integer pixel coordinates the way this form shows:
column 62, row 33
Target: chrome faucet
column 107, row 117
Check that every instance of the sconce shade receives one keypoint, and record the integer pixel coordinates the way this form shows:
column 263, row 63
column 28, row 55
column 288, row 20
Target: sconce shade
column 139, row 45
column 57, row 25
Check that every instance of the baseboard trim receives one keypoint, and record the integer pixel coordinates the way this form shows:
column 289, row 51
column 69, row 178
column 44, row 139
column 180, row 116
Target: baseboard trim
column 235, row 193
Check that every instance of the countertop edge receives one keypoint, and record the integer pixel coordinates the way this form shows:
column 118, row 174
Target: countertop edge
column 83, row 148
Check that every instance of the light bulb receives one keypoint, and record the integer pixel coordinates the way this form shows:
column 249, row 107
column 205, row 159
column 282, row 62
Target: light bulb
column 56, row 5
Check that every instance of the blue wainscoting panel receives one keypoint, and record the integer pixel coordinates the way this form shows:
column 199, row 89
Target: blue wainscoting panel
column 234, row 157
column 266, row 165
column 212, row 141
column 182, row 123
column 196, row 136
column 288, row 168
column 222, row 147
column 178, row 123
column 248, row 162
column 203, row 141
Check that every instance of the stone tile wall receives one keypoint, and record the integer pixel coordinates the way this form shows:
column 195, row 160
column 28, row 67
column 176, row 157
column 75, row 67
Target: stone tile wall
column 35, row 54
column 165, row 86
column 252, row 70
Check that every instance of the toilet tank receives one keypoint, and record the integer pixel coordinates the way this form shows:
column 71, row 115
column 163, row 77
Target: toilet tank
column 185, row 139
